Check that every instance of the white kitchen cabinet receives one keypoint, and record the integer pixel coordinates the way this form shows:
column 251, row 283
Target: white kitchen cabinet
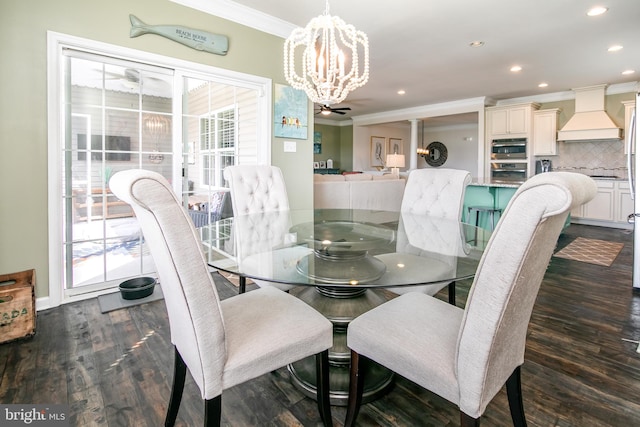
column 512, row 121
column 609, row 208
column 601, row 206
column 545, row 132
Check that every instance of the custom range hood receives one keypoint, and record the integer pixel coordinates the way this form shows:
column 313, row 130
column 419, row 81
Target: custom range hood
column 590, row 122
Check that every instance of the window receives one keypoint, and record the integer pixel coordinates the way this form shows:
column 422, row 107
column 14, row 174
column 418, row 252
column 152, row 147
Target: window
column 217, row 146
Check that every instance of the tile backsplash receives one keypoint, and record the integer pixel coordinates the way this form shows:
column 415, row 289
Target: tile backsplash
column 591, row 158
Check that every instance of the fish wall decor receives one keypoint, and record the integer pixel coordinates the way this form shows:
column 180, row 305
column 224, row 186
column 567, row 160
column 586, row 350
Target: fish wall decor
column 195, row 39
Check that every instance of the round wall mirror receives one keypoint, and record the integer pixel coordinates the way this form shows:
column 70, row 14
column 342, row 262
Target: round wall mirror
column 437, row 154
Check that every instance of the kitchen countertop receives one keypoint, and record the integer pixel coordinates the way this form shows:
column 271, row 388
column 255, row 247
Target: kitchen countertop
column 488, row 182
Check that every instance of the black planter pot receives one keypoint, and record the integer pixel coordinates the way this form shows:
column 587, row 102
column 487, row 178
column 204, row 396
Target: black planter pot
column 137, row 288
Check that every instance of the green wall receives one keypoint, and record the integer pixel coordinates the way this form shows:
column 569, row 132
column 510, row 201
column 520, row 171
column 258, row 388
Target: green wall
column 330, row 136
column 337, row 144
column 23, row 104
column 346, row 147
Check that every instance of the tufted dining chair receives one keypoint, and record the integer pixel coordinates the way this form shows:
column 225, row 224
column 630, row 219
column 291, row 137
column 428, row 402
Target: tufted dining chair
column 257, row 189
column 221, row 343
column 440, row 194
column 466, row 355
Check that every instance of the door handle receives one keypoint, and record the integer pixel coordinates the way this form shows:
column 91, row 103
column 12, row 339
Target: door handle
column 631, row 219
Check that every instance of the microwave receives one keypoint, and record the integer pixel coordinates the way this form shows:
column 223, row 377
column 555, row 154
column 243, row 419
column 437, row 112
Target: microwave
column 509, row 172
column 512, row 148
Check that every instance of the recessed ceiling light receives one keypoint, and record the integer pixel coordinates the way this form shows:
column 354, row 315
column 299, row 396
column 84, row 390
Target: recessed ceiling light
column 615, row 48
column 476, row 43
column 627, row 72
column 595, row 11
column 516, row 68
column 543, row 85
column 401, row 92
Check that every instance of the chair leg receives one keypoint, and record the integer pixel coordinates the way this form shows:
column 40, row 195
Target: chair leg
column 242, row 284
column 213, row 411
column 322, row 380
column 356, row 388
column 467, row 421
column 514, row 394
column 179, row 375
column 452, row 293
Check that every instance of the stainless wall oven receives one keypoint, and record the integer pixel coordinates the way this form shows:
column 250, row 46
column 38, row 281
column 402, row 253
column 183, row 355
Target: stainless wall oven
column 502, row 171
column 511, row 148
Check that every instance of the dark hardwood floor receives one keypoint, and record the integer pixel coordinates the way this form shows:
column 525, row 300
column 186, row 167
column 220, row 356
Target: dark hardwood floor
column 115, row 369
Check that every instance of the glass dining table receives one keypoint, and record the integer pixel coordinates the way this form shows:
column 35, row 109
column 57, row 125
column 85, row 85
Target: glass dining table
column 342, row 261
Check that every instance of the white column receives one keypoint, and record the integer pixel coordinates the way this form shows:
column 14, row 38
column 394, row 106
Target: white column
column 413, row 155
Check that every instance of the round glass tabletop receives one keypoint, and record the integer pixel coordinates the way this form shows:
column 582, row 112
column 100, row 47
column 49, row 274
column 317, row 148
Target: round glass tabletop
column 344, row 248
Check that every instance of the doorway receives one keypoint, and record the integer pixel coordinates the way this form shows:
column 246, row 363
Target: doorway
column 117, row 113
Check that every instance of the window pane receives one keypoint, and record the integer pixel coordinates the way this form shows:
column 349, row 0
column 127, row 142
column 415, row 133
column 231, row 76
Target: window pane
column 110, row 131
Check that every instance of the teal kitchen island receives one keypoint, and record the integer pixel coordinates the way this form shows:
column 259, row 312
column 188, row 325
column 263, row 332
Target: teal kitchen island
column 486, row 195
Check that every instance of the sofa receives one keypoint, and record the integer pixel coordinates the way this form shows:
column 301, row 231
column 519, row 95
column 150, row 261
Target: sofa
column 358, row 191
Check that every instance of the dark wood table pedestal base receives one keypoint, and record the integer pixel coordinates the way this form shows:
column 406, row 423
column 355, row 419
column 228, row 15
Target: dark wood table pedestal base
column 340, row 306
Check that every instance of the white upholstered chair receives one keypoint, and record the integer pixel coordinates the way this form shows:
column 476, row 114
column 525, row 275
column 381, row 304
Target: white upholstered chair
column 439, row 193
column 465, row 356
column 221, row 343
column 257, row 189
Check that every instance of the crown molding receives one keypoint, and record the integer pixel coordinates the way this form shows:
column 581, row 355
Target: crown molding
column 568, row 95
column 240, row 14
column 431, row 110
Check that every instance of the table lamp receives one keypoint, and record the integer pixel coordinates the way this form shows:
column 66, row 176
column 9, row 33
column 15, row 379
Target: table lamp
column 395, row 161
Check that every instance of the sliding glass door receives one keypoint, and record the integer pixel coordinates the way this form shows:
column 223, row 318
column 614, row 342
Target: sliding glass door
column 119, row 114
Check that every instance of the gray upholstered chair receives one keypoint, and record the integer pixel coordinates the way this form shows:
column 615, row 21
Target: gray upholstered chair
column 465, row 356
column 257, row 189
column 439, row 193
column 221, row 343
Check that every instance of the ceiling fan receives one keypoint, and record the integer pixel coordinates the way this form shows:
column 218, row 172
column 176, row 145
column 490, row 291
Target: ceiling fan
column 325, row 110
column 131, row 79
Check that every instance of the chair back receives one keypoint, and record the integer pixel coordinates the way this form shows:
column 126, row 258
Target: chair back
column 193, row 305
column 440, row 194
column 437, row 192
column 439, row 237
column 492, row 337
column 256, row 189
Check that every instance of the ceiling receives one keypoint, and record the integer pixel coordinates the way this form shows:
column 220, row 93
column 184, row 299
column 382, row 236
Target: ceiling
column 422, row 46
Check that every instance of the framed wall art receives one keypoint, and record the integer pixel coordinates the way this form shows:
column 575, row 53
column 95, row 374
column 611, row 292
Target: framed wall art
column 395, row 146
column 290, row 113
column 317, row 143
column 378, row 151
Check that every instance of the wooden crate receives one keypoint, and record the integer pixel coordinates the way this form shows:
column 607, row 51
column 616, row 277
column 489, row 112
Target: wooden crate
column 17, row 305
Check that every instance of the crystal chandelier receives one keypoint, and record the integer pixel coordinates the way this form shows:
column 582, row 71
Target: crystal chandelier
column 328, row 45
